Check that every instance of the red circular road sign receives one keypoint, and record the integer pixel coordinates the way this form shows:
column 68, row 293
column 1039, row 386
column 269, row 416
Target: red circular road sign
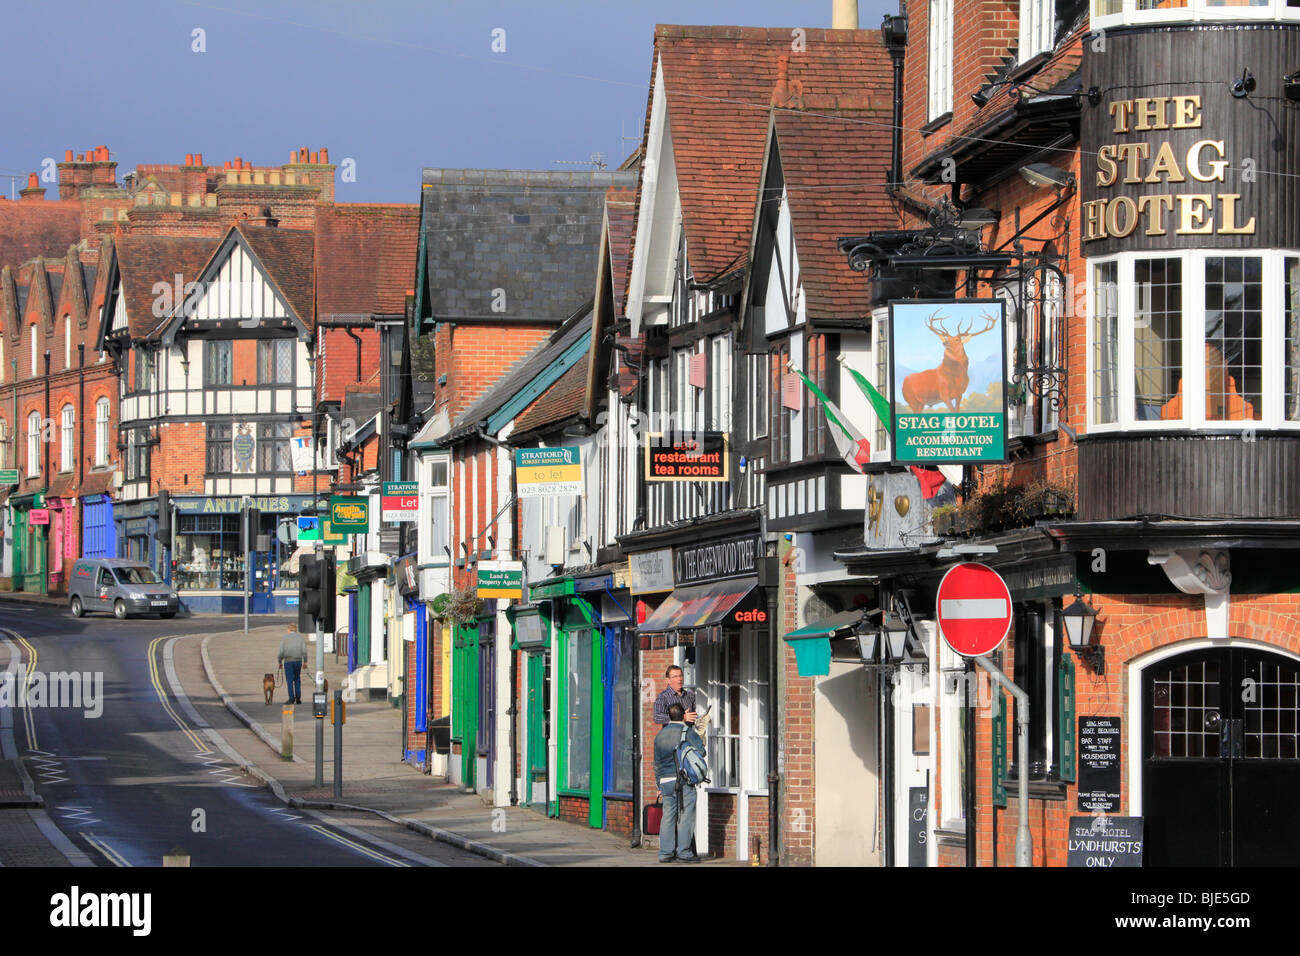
column 973, row 608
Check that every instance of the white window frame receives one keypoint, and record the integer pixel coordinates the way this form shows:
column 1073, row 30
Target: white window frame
column 4, row 443
column 879, row 377
column 720, row 383
column 102, row 412
column 1037, row 27
column 939, row 71
column 33, row 444
column 35, row 349
column 1195, row 11
column 441, row 492
column 752, row 734
column 1272, row 331
column 67, row 341
column 68, row 429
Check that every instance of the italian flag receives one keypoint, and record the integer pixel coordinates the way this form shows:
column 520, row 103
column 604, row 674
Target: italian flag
column 851, row 443
column 880, row 405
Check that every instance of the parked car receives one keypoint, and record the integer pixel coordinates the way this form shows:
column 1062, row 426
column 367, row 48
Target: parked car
column 121, row 586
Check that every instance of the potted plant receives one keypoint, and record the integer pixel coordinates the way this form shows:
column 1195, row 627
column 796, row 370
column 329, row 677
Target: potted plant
column 943, row 520
column 463, row 605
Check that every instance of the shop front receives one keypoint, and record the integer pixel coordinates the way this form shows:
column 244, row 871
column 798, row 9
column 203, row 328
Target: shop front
column 204, row 558
column 30, row 523
column 717, row 625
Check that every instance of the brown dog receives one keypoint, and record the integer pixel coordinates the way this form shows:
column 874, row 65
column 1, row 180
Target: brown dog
column 268, row 687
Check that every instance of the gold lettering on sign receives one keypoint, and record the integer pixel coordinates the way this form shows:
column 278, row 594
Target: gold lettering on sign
column 1148, row 163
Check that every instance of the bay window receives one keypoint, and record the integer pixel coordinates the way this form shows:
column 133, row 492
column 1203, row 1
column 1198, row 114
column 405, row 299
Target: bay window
column 1113, row 13
column 1194, row 339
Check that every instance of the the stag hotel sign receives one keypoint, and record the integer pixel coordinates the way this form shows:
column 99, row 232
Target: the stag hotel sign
column 1192, row 202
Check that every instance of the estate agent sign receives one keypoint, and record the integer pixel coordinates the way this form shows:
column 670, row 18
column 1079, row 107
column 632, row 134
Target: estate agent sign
column 948, row 367
column 544, row 472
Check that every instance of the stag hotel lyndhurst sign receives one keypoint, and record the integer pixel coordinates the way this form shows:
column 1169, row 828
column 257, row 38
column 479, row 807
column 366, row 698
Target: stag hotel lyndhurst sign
column 947, row 369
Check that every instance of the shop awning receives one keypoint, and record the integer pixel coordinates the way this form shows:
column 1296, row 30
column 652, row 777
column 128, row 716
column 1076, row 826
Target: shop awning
column 812, row 644
column 702, row 605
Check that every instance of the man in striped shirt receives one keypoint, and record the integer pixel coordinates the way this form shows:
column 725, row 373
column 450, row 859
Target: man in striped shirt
column 673, row 694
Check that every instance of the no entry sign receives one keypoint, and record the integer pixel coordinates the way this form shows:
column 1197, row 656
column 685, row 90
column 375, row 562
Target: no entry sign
column 974, row 609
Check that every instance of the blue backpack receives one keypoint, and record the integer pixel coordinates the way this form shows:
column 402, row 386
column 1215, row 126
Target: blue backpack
column 692, row 768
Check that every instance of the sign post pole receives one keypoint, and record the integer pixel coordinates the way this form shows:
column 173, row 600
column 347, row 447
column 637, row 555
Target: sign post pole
column 248, row 570
column 1024, row 839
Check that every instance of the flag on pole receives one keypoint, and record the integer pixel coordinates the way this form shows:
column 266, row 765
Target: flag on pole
column 851, row 443
column 930, row 482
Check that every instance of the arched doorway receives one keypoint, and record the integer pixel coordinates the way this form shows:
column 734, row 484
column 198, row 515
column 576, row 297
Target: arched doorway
column 1221, row 758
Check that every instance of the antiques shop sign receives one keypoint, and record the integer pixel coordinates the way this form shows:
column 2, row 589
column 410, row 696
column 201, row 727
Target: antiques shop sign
column 728, row 558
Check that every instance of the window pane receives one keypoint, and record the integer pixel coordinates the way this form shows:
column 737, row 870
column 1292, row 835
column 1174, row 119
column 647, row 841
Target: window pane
column 1158, row 339
column 1234, row 291
column 623, row 702
column 1105, row 341
column 578, row 715
column 1291, row 306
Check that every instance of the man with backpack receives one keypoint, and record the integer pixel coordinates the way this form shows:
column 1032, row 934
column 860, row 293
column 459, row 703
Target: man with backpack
column 679, row 768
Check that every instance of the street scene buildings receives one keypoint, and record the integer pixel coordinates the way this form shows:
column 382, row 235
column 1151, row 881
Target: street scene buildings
column 927, row 394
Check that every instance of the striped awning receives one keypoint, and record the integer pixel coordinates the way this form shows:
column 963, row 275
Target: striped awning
column 701, row 605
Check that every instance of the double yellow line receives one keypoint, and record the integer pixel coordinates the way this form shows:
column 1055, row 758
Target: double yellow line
column 29, row 719
column 156, row 678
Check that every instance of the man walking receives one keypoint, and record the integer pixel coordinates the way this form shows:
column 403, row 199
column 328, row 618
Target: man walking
column 293, row 654
column 673, row 694
column 678, row 826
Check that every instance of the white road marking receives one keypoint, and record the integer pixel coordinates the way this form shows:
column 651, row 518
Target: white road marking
column 114, row 857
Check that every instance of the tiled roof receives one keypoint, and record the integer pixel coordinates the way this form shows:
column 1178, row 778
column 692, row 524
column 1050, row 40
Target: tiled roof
column 720, row 83
column 369, row 253
column 620, row 208
column 45, row 228
column 145, row 260
column 834, row 170
column 97, row 482
column 565, row 398
column 287, row 256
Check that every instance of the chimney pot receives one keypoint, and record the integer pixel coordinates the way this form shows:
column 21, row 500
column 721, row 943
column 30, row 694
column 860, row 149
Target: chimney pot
column 227, row 166
column 315, row 158
column 102, row 153
column 32, row 182
column 198, row 159
column 239, row 162
column 324, row 155
column 189, row 159
column 67, row 155
column 302, row 154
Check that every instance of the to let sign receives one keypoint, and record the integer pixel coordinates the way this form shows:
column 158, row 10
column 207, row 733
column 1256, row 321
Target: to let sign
column 546, row 472
column 686, row 456
column 400, row 501
column 349, row 515
column 974, row 609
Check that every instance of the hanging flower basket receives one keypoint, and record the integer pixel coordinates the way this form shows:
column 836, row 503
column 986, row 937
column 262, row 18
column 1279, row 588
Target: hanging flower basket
column 463, row 605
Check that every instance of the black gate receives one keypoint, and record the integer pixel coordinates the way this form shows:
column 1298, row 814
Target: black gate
column 1221, row 755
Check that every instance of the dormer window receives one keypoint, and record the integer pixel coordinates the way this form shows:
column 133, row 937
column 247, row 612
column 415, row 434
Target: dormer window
column 1037, row 24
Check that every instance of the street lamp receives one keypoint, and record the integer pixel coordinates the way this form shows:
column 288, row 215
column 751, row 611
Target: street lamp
column 1080, row 627
column 893, row 635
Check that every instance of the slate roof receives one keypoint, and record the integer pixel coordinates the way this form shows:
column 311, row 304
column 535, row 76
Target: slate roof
column 565, row 398
column 30, row 229
column 144, row 260
column 518, row 375
column 531, row 234
column 370, row 255
column 834, row 168
column 720, row 83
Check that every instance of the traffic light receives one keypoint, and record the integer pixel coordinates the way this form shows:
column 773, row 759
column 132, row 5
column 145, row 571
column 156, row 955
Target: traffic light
column 252, row 525
column 316, row 585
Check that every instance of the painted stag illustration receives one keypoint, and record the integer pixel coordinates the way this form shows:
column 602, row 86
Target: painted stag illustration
column 946, row 384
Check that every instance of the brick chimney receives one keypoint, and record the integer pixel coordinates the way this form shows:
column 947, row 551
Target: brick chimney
column 103, row 172
column 34, row 192
column 262, row 218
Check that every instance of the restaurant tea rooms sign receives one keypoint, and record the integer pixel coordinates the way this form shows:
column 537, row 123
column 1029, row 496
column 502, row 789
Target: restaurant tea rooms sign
column 948, row 370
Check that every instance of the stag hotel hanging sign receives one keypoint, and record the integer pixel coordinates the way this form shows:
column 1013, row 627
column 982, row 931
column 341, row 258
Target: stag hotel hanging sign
column 948, row 371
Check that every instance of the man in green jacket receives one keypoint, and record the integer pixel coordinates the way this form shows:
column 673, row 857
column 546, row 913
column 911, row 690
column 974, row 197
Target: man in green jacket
column 293, row 654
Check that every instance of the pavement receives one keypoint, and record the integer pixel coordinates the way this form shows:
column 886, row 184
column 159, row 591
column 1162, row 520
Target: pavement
column 375, row 779
column 380, row 792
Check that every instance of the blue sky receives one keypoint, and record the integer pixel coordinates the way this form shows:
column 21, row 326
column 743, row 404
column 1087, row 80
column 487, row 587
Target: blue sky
column 394, row 85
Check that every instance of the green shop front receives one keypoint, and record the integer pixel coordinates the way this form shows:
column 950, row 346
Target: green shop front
column 29, row 537
column 579, row 663
column 473, row 700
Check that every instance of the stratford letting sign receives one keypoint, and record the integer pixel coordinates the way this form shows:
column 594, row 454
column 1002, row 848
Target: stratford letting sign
column 547, row 472
column 686, row 456
column 727, row 558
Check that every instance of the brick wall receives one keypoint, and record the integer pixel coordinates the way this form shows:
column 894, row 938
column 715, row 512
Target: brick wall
column 797, row 798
